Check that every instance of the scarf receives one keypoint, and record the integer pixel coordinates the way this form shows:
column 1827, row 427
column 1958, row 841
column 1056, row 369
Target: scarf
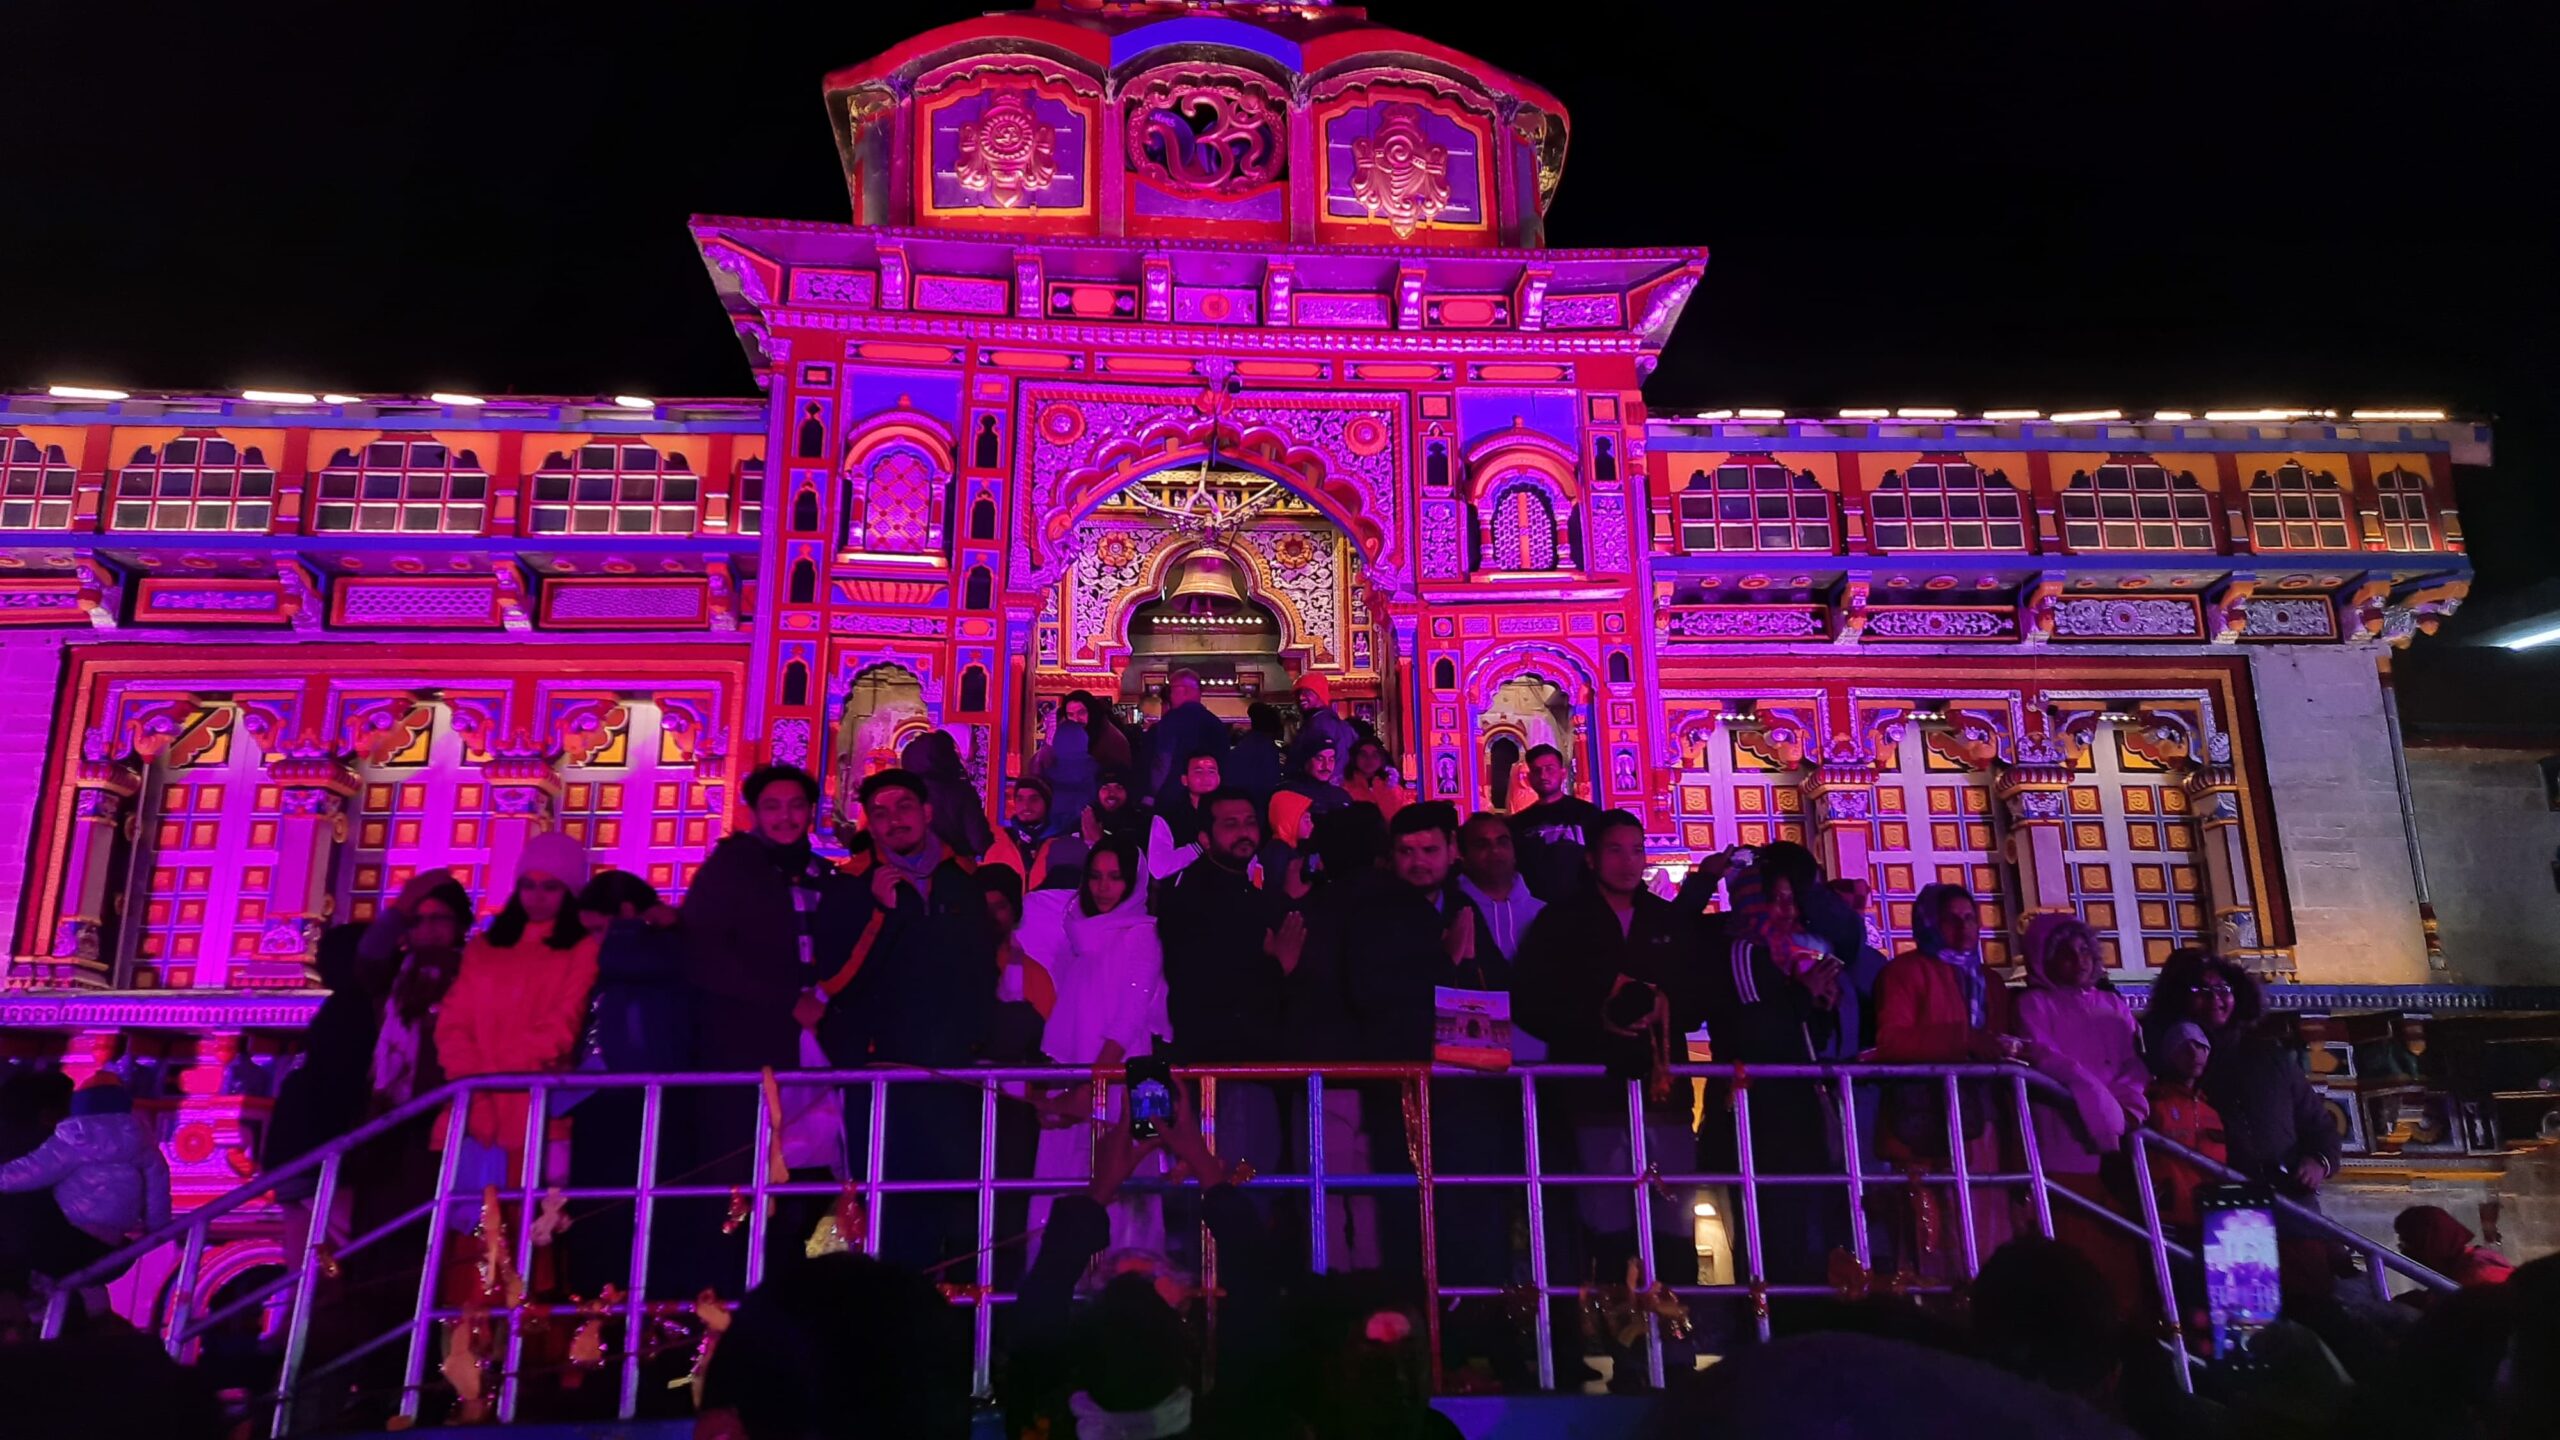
column 1171, row 1416
column 1973, row 982
column 918, row 867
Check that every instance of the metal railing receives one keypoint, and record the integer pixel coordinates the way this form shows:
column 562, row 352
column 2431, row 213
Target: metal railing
column 1643, row 1180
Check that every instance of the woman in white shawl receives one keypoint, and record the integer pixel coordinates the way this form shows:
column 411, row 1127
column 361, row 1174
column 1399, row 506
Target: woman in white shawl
column 1109, row 973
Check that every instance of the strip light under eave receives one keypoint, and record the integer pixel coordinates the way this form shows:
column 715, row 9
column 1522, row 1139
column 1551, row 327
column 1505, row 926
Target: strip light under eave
column 2532, row 639
column 1750, row 414
column 86, row 392
column 280, row 397
column 2012, row 414
column 2084, row 417
column 2424, row 417
column 1924, row 412
column 447, row 397
column 334, row 398
column 635, row 402
column 1867, row 412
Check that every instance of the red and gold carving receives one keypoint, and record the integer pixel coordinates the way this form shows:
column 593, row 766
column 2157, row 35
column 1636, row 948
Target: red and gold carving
column 1399, row 173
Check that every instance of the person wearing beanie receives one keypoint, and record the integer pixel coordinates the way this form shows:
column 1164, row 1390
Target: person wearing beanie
column 521, row 1000
column 1317, row 717
column 108, row 1177
column 2431, row 1236
column 2180, row 1112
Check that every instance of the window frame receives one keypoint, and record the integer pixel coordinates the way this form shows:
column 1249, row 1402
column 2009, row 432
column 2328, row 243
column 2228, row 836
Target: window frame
column 2089, row 533
column 444, row 507
column 1987, row 489
column 1795, row 488
column 2273, row 525
column 43, row 506
column 573, row 503
column 144, row 511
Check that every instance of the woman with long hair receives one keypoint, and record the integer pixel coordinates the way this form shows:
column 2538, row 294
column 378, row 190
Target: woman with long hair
column 521, row 1000
column 1939, row 1004
column 959, row 815
column 1373, row 777
column 1109, row 972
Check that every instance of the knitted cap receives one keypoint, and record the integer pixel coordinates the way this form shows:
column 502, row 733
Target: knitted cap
column 556, row 855
column 103, row 1093
column 1312, row 686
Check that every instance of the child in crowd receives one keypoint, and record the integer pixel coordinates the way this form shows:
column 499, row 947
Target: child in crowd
column 2180, row 1112
column 108, row 1177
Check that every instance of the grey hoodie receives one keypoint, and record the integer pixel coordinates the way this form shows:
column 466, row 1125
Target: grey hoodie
column 105, row 1171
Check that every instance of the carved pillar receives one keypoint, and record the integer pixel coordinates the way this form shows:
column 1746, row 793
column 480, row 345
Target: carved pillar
column 93, row 877
column 313, row 803
column 2213, row 797
column 2037, row 799
column 524, row 796
column 1840, row 798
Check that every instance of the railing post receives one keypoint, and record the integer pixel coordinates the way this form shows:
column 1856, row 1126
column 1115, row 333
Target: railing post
column 182, row 1291
column 1962, row 1165
column 756, row 1180
column 1425, row 1174
column 2150, row 1198
column 297, row 1334
column 537, row 1165
column 1208, row 1118
column 983, row 1320
column 1851, row 1151
column 2036, row 1185
column 1644, row 1227
column 644, row 1202
column 875, row 1165
column 1537, row 1230
column 1757, row 1269
column 422, row 1322
column 1317, row 1231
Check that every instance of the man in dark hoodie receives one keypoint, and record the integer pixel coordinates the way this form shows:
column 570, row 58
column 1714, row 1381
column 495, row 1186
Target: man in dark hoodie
column 1188, row 728
column 765, row 920
column 919, row 989
column 1550, row 836
column 1253, row 765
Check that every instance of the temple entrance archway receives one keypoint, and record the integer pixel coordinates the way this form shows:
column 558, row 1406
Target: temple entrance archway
column 884, row 708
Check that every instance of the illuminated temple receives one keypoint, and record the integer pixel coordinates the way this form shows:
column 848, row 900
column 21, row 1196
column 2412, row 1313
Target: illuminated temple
column 1219, row 336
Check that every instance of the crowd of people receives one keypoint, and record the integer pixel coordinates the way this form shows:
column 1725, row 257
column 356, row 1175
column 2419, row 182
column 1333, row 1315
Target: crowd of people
column 1272, row 895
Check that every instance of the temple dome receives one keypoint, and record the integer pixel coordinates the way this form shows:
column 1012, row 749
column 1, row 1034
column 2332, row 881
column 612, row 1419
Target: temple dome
column 1300, row 123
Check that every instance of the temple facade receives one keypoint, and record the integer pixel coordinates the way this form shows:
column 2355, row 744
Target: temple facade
column 1181, row 335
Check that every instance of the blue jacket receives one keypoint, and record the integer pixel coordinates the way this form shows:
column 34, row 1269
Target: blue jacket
column 106, row 1172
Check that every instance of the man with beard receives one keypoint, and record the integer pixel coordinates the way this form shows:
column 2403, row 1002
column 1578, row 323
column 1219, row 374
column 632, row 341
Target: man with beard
column 765, row 920
column 1228, row 948
column 919, row 989
column 1551, row 835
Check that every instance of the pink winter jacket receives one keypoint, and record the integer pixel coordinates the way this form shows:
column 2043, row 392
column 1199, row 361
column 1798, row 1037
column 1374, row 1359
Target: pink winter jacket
column 2086, row 1039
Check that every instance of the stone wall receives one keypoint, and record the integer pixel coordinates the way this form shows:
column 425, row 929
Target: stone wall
column 30, row 678
column 2490, row 836
column 2338, row 816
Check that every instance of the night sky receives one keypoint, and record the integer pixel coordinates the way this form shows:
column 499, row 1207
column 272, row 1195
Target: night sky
column 2044, row 206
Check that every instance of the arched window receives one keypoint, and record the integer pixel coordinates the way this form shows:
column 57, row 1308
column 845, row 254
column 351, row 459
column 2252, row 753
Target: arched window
column 36, row 482
column 795, row 684
column 746, row 492
column 893, row 503
column 1444, row 674
column 1754, row 505
column 1947, row 505
column 982, row 518
column 813, row 434
column 980, row 593
column 804, row 512
column 1435, row 465
column 404, row 487
column 1618, row 668
column 196, row 483
column 615, row 489
column 989, row 445
column 2294, row 509
column 1520, row 528
column 2136, row 505
column 2403, row 501
column 973, row 690
column 1604, row 461
column 804, row 583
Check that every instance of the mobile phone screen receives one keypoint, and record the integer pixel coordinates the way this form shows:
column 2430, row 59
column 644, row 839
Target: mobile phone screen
column 1150, row 1083
column 2243, row 1293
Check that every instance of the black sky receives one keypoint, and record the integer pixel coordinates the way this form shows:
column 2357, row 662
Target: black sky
column 2049, row 206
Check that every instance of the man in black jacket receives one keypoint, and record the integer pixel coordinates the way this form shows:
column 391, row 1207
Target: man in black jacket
column 1551, row 836
column 1228, row 946
column 1609, row 976
column 919, row 989
column 765, row 920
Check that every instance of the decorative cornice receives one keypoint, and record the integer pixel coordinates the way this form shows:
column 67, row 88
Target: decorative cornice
column 163, row 1010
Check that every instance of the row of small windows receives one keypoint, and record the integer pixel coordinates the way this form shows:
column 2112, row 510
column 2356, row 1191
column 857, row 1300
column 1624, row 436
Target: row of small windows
column 36, row 482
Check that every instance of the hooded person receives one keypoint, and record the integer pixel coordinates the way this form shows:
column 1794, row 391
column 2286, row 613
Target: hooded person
column 520, row 1003
column 1939, row 1004
column 1257, row 761
column 108, row 1177
column 959, row 815
column 1068, row 766
column 1317, row 716
column 2086, row 1038
column 1309, row 792
column 2431, row 1236
column 1189, row 728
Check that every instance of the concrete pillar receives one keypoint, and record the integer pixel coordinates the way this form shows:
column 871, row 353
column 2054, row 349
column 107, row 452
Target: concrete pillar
column 2037, row 800
column 2222, row 846
column 1840, row 799
column 93, row 878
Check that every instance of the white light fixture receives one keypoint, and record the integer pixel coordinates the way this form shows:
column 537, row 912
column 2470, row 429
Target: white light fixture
column 635, row 402
column 2423, row 416
column 2085, row 417
column 1749, row 414
column 280, row 397
column 1925, row 412
column 1866, row 413
column 2012, row 414
column 85, row 392
column 2533, row 639
column 334, row 398
column 447, row 397
column 2172, row 417
column 2250, row 415
column 1714, row 415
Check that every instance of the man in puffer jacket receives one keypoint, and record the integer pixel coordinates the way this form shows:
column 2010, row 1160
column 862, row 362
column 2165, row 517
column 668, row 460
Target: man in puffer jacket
column 106, row 1172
